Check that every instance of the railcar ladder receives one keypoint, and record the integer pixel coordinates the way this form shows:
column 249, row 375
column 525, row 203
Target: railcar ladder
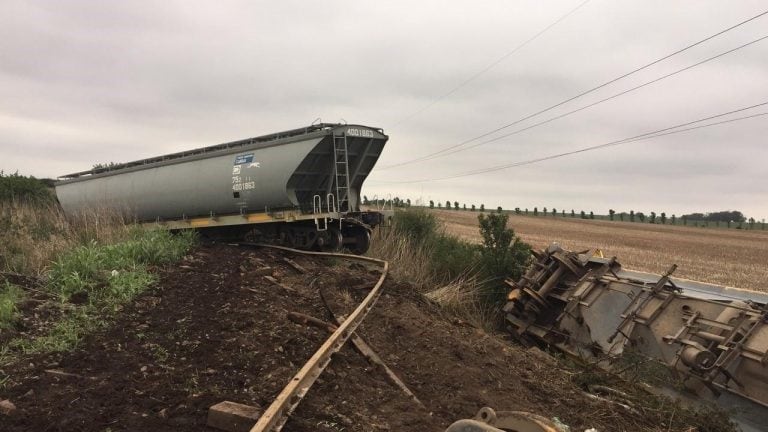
column 341, row 164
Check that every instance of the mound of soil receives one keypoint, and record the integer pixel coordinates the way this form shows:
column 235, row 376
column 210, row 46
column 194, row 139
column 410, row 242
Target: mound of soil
column 215, row 329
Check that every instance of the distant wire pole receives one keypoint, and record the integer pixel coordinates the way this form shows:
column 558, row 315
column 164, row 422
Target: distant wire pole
column 489, row 67
column 584, row 93
column 644, row 136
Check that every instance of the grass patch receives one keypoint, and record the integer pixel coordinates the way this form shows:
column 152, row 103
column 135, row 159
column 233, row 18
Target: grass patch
column 10, row 296
column 103, row 278
column 64, row 336
column 116, row 270
column 93, row 264
column 32, row 235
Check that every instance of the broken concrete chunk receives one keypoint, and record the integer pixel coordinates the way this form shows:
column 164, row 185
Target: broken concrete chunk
column 232, row 416
column 7, row 407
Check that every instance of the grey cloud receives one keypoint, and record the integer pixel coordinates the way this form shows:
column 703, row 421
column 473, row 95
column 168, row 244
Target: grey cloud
column 85, row 82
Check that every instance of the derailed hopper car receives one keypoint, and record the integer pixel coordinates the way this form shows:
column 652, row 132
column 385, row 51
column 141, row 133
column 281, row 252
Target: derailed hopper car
column 299, row 187
column 713, row 339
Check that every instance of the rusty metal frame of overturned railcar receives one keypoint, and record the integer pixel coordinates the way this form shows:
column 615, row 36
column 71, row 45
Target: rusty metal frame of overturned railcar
column 289, row 398
column 589, row 307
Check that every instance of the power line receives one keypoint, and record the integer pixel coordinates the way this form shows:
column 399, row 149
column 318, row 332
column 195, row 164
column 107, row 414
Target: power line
column 645, row 136
column 593, row 89
column 551, row 119
column 582, row 150
column 490, row 66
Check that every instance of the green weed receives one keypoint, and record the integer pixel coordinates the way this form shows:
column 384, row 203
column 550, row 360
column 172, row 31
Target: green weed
column 124, row 286
column 116, row 271
column 10, row 296
column 109, row 275
column 159, row 353
column 64, row 336
column 501, row 254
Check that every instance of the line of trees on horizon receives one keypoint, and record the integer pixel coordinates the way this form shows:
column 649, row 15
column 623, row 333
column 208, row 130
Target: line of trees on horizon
column 725, row 218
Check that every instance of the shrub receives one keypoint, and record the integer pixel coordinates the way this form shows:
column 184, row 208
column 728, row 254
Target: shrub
column 15, row 187
column 451, row 257
column 503, row 255
column 448, row 256
column 417, row 224
column 464, row 277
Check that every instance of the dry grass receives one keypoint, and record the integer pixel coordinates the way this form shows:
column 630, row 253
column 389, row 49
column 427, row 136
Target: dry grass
column 737, row 258
column 408, row 262
column 411, row 262
column 460, row 298
column 32, row 235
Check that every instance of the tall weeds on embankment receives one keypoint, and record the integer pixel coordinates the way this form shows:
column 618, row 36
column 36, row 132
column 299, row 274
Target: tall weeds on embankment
column 464, row 278
column 85, row 267
column 33, row 234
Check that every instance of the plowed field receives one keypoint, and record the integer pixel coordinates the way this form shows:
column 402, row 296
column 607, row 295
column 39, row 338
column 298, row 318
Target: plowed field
column 731, row 257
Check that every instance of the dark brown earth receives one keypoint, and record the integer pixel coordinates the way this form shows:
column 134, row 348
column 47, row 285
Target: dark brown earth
column 214, row 329
column 37, row 312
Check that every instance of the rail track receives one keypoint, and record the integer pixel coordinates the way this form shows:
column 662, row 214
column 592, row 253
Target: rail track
column 274, row 418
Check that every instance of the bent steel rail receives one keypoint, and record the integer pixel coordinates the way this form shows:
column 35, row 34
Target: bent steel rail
column 285, row 403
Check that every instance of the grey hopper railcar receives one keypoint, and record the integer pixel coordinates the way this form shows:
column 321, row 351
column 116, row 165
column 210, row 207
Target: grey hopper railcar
column 301, row 187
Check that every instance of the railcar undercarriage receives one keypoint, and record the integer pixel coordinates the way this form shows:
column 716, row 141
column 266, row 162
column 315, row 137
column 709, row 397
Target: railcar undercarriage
column 713, row 338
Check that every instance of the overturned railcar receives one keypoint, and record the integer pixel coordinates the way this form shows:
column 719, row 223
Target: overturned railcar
column 300, row 187
column 713, row 338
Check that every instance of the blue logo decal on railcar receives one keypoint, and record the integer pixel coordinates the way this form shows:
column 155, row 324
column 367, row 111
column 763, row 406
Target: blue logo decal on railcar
column 243, row 159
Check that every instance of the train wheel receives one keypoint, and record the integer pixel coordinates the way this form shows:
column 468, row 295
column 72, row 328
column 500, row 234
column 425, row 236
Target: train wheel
column 336, row 242
column 362, row 241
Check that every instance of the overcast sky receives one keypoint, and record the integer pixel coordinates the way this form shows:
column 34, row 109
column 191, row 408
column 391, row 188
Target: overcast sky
column 83, row 82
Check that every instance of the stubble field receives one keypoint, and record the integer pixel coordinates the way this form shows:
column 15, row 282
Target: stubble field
column 736, row 258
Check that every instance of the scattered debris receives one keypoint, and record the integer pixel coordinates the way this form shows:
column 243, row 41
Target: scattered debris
column 371, row 355
column 263, row 271
column 62, row 374
column 361, row 346
column 295, row 265
column 279, row 284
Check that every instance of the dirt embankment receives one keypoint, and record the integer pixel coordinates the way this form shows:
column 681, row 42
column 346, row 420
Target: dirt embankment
column 214, row 329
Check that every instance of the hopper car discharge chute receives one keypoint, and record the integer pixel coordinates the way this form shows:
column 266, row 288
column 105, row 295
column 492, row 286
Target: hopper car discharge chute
column 300, row 188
